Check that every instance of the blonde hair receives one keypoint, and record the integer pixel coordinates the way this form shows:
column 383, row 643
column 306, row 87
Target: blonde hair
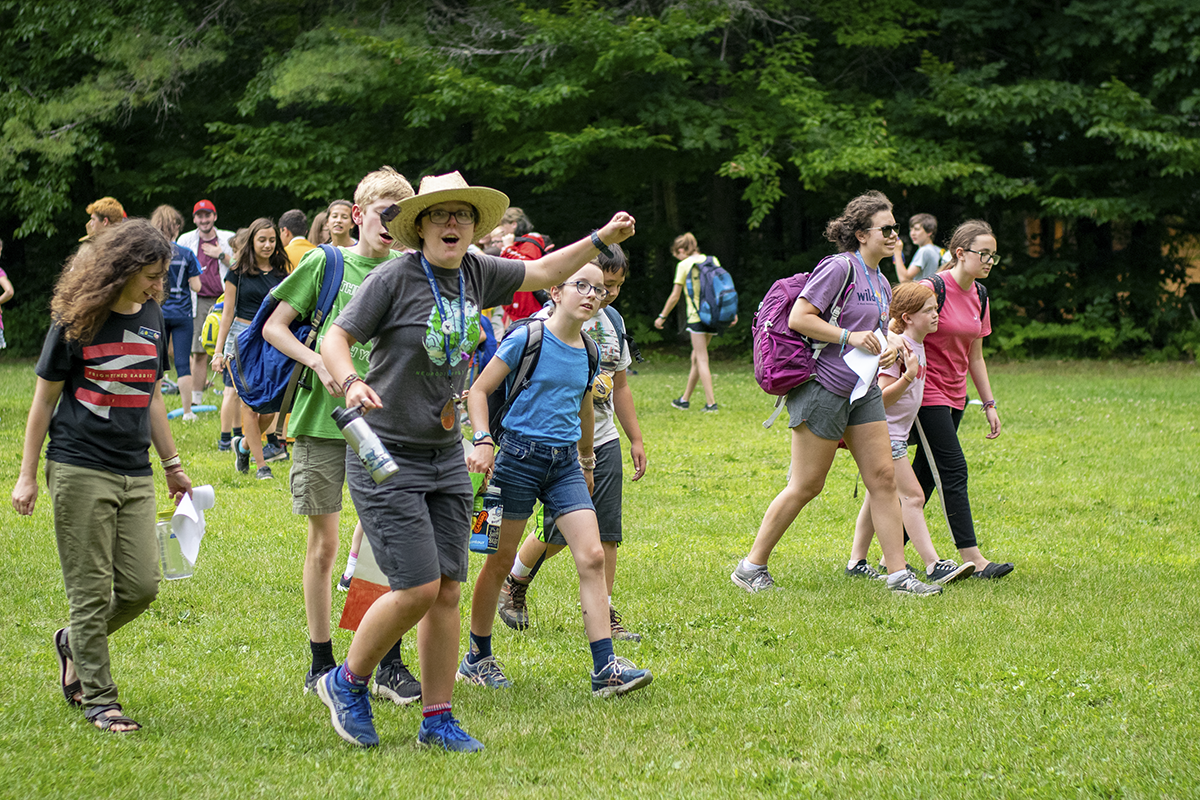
column 964, row 236
column 383, row 183
column 687, row 243
column 108, row 208
column 907, row 298
column 168, row 220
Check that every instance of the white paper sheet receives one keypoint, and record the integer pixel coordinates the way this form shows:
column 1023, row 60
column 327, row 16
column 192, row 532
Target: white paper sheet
column 188, row 522
column 864, row 365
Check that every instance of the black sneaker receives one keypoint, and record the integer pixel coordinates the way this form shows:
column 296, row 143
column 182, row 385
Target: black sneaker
column 241, row 460
column 863, row 570
column 946, row 571
column 995, row 570
column 394, row 682
column 263, row 473
column 710, row 407
column 681, row 404
column 310, row 680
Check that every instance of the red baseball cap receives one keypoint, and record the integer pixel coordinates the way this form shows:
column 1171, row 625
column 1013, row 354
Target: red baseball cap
column 204, row 205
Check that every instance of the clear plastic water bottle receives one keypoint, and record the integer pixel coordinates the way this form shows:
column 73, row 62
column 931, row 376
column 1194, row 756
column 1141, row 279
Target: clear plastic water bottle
column 174, row 563
column 365, row 444
column 485, row 527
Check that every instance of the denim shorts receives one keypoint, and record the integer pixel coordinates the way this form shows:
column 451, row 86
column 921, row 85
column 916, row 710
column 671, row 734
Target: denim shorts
column 235, row 327
column 606, row 498
column 527, row 471
column 828, row 414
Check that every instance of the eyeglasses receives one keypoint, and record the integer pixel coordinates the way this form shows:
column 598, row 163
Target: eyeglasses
column 585, row 289
column 440, row 216
column 985, row 256
column 888, row 231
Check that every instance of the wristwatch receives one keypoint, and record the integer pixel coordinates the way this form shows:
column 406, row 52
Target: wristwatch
column 479, row 436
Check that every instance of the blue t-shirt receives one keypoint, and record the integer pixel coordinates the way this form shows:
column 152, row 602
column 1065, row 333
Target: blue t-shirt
column 177, row 295
column 548, row 410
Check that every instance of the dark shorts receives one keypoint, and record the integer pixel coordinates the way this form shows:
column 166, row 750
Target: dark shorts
column 419, row 520
column 606, row 498
column 828, row 414
column 700, row 327
column 528, row 471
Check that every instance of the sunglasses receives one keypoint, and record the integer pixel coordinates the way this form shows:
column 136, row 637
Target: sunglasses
column 888, row 231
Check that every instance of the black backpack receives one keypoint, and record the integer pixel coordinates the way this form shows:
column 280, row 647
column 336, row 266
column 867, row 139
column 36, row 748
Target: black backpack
column 518, row 380
column 939, row 291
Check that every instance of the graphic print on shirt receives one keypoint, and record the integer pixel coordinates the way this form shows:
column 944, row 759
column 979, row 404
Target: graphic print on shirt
column 114, row 369
column 439, row 332
column 610, row 354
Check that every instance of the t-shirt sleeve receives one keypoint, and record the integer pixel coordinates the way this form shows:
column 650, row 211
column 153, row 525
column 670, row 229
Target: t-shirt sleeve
column 300, row 289
column 54, row 363
column 824, row 283
column 511, row 347
column 681, row 271
column 191, row 263
column 500, row 278
column 926, row 256
column 894, row 370
column 362, row 316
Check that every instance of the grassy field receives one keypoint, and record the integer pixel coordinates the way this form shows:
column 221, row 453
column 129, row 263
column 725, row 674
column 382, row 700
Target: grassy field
column 1075, row 676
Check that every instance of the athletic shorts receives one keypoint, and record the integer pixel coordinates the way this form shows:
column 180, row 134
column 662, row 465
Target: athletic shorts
column 318, row 472
column 419, row 520
column 528, row 471
column 203, row 307
column 606, row 498
column 828, row 414
column 700, row 327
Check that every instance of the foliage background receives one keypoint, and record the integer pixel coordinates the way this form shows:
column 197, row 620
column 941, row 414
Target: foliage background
column 748, row 122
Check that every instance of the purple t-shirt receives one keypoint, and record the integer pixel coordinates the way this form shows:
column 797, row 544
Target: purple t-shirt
column 867, row 303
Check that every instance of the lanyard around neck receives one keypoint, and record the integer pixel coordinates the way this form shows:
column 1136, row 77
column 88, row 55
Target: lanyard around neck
column 878, row 297
column 462, row 308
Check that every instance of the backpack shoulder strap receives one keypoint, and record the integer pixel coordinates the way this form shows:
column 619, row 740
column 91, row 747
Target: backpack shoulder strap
column 939, row 290
column 331, row 282
column 520, row 377
column 981, row 290
column 593, row 355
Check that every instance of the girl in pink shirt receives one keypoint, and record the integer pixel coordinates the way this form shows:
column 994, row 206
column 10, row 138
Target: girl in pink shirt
column 954, row 350
column 914, row 315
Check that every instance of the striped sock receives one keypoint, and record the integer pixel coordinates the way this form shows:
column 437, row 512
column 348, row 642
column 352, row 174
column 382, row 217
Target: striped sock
column 435, row 711
column 357, row 681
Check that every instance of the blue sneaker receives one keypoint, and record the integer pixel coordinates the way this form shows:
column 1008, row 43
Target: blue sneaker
column 275, row 452
column 444, row 731
column 349, row 709
column 484, row 672
column 619, row 676
column 224, row 446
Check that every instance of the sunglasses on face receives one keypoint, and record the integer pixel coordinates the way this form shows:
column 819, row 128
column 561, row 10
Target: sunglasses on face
column 888, row 231
column 584, row 288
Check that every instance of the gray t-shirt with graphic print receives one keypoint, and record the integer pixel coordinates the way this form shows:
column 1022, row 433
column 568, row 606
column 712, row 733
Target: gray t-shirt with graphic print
column 396, row 311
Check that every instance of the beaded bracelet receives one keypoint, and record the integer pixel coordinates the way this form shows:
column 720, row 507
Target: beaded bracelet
column 173, row 461
column 587, row 462
column 600, row 245
column 845, row 338
column 350, row 381
column 988, row 404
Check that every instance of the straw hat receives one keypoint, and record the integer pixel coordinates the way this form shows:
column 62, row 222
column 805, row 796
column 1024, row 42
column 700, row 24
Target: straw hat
column 489, row 203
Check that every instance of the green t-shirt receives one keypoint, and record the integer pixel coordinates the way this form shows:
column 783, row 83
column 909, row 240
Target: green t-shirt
column 310, row 414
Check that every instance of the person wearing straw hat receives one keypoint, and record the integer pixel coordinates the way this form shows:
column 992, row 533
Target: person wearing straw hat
column 421, row 313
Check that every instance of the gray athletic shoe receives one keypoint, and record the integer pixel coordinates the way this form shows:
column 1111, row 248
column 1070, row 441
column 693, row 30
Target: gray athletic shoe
column 511, row 607
column 752, row 580
column 908, row 584
column 946, row 571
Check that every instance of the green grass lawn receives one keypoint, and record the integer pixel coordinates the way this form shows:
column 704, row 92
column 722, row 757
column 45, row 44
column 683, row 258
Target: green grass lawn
column 1075, row 676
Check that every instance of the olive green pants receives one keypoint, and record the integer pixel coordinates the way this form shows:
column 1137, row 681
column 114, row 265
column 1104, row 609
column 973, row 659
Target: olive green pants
column 104, row 526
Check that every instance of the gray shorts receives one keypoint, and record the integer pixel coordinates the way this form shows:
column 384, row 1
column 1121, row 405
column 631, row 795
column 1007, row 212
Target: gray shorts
column 419, row 520
column 828, row 414
column 606, row 497
column 318, row 472
column 203, row 307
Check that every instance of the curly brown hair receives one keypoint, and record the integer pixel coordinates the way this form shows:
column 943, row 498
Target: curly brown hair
column 93, row 279
column 856, row 217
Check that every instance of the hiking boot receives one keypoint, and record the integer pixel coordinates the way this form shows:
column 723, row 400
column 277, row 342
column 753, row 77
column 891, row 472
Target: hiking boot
column 511, row 607
column 241, row 459
column 444, row 731
column 619, row 676
column 752, row 580
column 394, row 682
column 710, row 407
column 863, row 570
column 263, row 473
column 344, row 583
column 349, row 709
column 619, row 631
column 484, row 672
column 275, row 452
column 908, row 584
column 310, row 680
column 681, row 404
column 946, row 571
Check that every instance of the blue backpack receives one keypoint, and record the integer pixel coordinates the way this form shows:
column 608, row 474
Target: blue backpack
column 712, row 293
column 265, row 378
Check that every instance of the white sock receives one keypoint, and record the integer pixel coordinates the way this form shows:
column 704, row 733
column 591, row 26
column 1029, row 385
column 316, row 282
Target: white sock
column 519, row 570
column 610, row 601
column 747, row 564
column 351, row 563
column 197, row 398
column 851, row 564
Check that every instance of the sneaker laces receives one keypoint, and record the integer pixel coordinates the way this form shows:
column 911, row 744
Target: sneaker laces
column 490, row 667
column 449, row 729
column 516, row 591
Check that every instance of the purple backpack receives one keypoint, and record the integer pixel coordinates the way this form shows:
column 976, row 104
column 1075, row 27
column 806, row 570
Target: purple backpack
column 783, row 359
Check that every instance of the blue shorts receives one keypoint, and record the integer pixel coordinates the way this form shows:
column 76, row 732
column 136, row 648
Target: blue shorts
column 527, row 471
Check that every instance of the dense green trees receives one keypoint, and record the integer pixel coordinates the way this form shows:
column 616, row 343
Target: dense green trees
column 747, row 121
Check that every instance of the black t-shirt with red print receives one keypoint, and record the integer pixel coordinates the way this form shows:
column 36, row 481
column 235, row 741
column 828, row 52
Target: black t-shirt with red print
column 103, row 417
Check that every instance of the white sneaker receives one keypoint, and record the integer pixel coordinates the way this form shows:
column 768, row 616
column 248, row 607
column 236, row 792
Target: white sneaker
column 190, row 416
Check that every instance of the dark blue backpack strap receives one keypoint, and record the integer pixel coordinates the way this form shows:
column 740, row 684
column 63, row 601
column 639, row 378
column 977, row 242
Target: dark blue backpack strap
column 331, row 282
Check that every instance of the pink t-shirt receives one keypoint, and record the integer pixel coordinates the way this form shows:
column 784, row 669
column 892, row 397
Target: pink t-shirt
column 900, row 414
column 948, row 348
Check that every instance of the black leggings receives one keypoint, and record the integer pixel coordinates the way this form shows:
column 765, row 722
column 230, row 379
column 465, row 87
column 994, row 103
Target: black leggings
column 940, row 424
